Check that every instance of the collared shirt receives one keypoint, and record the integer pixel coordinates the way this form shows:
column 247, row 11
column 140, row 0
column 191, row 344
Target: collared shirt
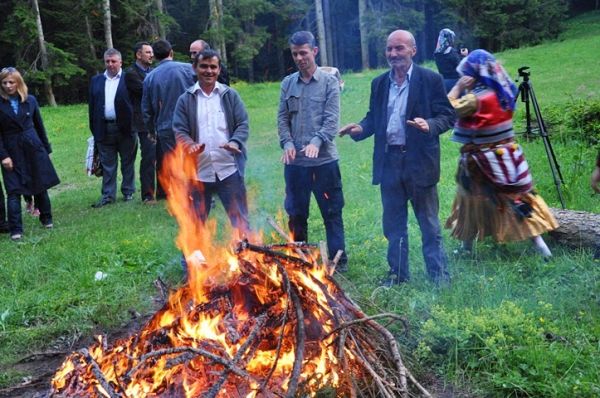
column 309, row 114
column 14, row 103
column 214, row 162
column 396, row 109
column 110, row 91
column 145, row 71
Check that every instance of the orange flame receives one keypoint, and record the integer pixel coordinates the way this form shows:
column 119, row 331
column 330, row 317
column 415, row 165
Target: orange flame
column 228, row 319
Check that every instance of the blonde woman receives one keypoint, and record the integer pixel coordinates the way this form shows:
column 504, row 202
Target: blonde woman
column 24, row 152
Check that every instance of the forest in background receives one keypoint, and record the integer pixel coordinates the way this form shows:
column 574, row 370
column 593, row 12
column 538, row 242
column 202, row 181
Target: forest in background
column 58, row 44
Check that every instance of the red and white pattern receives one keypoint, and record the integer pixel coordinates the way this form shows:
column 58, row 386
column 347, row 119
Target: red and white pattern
column 505, row 166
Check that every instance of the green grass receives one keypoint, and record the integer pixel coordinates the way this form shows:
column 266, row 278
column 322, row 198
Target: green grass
column 509, row 325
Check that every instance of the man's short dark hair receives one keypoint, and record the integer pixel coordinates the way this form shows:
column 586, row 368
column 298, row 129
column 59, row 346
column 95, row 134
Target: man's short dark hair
column 301, row 38
column 161, row 49
column 206, row 54
column 138, row 46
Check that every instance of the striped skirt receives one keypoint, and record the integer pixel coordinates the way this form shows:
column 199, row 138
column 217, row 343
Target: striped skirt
column 484, row 207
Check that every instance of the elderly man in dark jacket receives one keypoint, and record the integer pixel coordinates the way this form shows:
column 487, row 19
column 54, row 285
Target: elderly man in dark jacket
column 408, row 110
column 211, row 121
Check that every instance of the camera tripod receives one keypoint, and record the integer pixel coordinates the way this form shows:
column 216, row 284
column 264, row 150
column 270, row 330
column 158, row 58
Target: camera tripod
column 528, row 97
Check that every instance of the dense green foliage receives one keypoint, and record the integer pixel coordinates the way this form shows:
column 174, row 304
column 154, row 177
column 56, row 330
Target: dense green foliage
column 510, row 325
column 255, row 32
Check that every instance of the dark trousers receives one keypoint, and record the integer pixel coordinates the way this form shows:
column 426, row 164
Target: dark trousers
column 113, row 146
column 232, row 192
column 165, row 143
column 15, row 221
column 325, row 183
column 147, row 164
column 2, row 206
column 396, row 192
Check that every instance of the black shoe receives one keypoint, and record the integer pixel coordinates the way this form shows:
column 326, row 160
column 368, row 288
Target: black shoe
column 341, row 268
column 4, row 228
column 391, row 281
column 103, row 202
column 149, row 200
column 47, row 223
column 128, row 197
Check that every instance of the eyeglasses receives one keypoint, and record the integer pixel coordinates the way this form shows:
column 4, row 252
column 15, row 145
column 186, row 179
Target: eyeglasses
column 9, row 69
column 193, row 53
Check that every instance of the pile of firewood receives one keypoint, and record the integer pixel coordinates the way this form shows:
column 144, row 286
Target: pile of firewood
column 287, row 329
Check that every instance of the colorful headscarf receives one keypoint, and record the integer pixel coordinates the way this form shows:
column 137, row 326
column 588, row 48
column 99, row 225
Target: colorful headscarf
column 482, row 65
column 445, row 41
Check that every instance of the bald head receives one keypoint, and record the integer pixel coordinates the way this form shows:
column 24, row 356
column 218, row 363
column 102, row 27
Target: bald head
column 197, row 47
column 399, row 52
column 403, row 35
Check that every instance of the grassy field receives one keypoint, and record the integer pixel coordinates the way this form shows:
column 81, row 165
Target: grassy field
column 509, row 325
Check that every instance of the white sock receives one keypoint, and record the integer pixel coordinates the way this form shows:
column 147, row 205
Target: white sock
column 541, row 246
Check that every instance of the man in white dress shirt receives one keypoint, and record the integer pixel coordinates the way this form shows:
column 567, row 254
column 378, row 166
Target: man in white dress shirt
column 211, row 121
column 110, row 114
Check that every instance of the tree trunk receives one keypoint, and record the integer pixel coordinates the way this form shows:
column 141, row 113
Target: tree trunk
column 329, row 33
column 216, row 24
column 160, row 29
column 321, row 33
column 577, row 229
column 88, row 29
column 107, row 23
column 43, row 54
column 364, row 40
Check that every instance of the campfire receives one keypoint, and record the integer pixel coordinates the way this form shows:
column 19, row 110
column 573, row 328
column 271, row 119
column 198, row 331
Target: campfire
column 253, row 320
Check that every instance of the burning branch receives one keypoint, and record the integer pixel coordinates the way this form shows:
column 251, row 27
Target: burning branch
column 280, row 326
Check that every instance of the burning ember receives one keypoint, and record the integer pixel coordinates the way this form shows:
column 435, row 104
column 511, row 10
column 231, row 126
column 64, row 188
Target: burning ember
column 252, row 321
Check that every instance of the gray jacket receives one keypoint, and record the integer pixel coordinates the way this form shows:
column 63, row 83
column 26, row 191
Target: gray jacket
column 309, row 114
column 162, row 87
column 185, row 121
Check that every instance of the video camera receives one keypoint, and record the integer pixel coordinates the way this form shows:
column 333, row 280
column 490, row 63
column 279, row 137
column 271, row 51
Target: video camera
column 523, row 72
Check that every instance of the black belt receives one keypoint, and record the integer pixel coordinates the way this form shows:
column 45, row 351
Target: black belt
column 107, row 121
column 396, row 148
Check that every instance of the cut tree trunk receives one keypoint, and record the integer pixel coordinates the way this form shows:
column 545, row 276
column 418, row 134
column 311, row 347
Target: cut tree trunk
column 577, row 229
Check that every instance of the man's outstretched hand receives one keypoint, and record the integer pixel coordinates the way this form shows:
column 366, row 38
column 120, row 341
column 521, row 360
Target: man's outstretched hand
column 195, row 149
column 350, row 129
column 419, row 123
column 232, row 147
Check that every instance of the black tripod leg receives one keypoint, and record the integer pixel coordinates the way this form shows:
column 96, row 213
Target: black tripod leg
column 554, row 166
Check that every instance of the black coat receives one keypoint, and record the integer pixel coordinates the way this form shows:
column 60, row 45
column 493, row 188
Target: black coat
column 134, row 81
column 426, row 99
column 24, row 140
column 122, row 104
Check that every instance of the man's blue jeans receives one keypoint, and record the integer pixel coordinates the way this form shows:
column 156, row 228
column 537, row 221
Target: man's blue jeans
column 396, row 191
column 325, row 183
